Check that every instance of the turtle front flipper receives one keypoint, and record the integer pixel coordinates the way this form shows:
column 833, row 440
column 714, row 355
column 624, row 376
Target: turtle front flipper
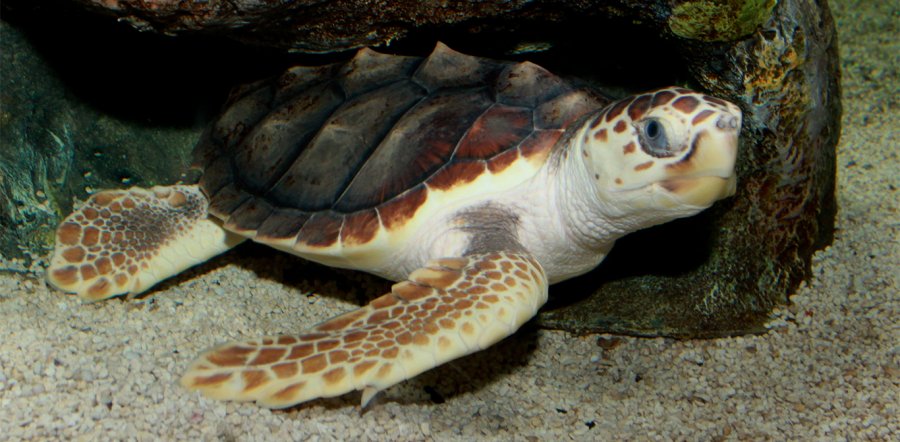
column 125, row 241
column 450, row 308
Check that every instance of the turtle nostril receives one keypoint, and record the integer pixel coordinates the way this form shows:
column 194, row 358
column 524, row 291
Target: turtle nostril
column 727, row 122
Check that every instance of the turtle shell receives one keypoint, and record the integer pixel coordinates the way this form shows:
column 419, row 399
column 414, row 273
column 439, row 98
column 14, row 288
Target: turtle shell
column 334, row 154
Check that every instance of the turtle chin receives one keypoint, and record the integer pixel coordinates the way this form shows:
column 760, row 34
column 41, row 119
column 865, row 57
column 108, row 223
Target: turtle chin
column 699, row 192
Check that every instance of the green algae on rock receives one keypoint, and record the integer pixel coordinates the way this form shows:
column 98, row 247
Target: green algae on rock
column 719, row 21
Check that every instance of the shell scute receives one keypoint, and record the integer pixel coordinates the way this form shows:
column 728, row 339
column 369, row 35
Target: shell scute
column 334, row 154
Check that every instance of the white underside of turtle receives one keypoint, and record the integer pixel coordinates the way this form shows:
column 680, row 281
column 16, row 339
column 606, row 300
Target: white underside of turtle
column 474, row 183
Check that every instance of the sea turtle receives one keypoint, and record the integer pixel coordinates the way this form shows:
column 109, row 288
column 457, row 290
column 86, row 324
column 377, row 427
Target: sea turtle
column 475, row 183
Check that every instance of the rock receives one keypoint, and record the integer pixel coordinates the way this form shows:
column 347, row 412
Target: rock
column 716, row 274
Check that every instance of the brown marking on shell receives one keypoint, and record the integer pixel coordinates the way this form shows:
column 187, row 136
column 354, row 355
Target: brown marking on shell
column 662, row 97
column 202, row 381
column 540, row 143
column 176, row 199
column 600, row 135
column 620, row 126
column 597, row 120
column 500, row 128
column 91, row 236
column 67, row 275
column 341, row 322
column 376, row 317
column 355, row 336
column 121, row 280
column 90, row 213
column 360, row 227
column 334, row 376
column 286, row 340
column 249, row 216
column 629, row 148
column 420, row 339
column 289, row 393
column 104, row 198
column 702, row 116
column 715, row 100
column 313, row 337
column 502, row 161
column 253, row 379
column 321, row 230
column 230, row 357
column 686, row 104
column 68, row 233
column 639, row 107
column 361, row 368
column 338, row 356
column 456, row 173
column 616, row 109
column 281, row 224
column 314, row 364
column 268, row 355
column 437, row 278
column 88, row 272
column 104, row 267
column 300, row 351
column 398, row 211
column 451, row 263
column 643, row 166
column 328, row 345
column 73, row 254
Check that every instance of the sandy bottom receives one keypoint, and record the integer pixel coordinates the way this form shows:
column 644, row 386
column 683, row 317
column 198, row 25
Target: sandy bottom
column 828, row 369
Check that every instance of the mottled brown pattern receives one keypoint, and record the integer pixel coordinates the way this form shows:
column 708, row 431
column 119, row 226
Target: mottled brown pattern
column 686, row 104
column 321, row 230
column 499, row 129
column 385, row 339
column 616, row 109
column 67, row 275
column 716, row 101
column 620, row 126
column 701, row 117
column 600, row 135
column 629, row 148
column 643, row 166
column 68, row 233
column 268, row 356
column 639, row 107
column 253, row 379
column 540, row 143
column 662, row 97
column 500, row 162
column 455, row 174
column 212, row 380
column 360, row 227
column 396, row 212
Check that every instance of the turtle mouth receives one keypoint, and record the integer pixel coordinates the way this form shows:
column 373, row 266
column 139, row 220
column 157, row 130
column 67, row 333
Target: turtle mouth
column 699, row 191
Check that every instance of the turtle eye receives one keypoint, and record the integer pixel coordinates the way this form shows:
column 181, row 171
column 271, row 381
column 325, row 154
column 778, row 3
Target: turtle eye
column 654, row 140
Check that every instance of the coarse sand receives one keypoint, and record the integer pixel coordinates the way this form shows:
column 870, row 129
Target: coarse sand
column 827, row 369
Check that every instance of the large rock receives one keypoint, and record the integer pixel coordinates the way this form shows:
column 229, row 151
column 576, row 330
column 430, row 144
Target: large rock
column 716, row 274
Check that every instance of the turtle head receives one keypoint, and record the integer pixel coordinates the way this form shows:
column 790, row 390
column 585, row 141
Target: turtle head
column 671, row 151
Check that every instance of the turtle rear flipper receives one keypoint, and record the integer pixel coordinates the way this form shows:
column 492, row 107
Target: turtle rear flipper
column 125, row 241
column 450, row 308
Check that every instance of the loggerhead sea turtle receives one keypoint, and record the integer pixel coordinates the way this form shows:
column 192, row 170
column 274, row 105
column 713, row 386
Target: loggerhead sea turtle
column 473, row 182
